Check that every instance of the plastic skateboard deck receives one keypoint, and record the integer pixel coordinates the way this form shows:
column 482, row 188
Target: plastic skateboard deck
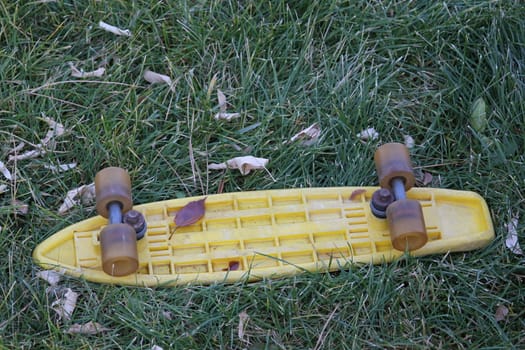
column 268, row 234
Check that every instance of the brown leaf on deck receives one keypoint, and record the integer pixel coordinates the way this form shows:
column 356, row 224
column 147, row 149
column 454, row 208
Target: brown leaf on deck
column 190, row 213
column 357, row 193
column 232, row 266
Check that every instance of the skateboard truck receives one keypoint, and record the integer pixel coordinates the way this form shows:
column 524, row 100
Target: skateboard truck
column 118, row 240
column 404, row 216
column 133, row 218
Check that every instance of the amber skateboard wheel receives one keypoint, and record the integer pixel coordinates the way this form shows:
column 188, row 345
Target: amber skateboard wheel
column 392, row 161
column 407, row 225
column 112, row 185
column 118, row 244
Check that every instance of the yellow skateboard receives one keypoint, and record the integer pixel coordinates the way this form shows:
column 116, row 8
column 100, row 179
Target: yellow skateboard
column 266, row 234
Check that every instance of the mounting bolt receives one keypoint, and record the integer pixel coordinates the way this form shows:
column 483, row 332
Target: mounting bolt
column 381, row 199
column 136, row 220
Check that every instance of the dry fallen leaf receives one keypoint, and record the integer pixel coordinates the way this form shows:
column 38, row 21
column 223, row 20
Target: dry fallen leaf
column 65, row 305
column 427, row 178
column 501, row 313
column 244, row 318
column 409, row 141
column 422, row 178
column 211, row 85
column 368, row 134
column 190, row 213
column 168, row 315
column 223, row 103
column 113, row 29
column 5, row 171
column 226, row 116
column 83, row 194
column 478, row 116
column 28, row 154
column 308, row 136
column 155, row 78
column 20, row 207
column 245, row 164
column 3, row 188
column 512, row 236
column 55, row 130
column 87, row 328
column 222, row 100
column 61, row 167
column 79, row 73
column 17, row 148
column 50, row 276
column 156, row 347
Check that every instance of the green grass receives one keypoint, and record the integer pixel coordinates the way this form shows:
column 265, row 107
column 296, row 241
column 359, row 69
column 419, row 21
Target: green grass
column 404, row 67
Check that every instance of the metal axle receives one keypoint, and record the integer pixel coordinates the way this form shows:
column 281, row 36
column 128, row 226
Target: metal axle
column 115, row 213
column 398, row 187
